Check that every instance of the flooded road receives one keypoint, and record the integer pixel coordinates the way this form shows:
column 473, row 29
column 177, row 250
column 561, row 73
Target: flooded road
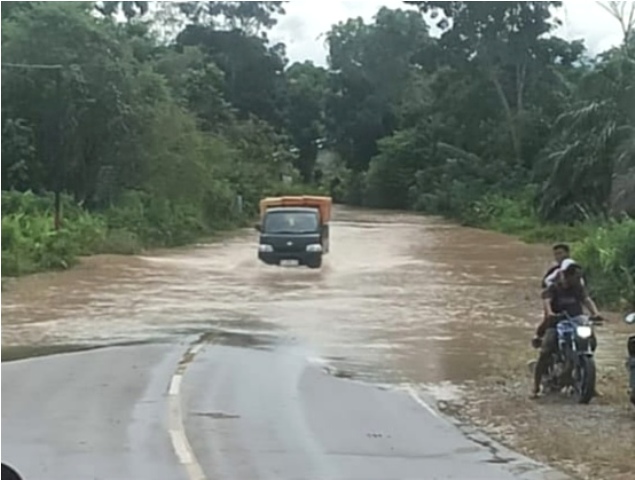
column 397, row 293
column 402, row 300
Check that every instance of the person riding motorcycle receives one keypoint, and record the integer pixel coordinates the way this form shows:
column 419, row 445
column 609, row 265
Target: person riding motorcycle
column 567, row 294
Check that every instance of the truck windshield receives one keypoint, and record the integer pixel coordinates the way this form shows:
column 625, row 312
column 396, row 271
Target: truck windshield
column 291, row 222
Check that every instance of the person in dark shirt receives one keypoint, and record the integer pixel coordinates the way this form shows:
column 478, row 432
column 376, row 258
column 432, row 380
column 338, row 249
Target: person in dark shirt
column 569, row 295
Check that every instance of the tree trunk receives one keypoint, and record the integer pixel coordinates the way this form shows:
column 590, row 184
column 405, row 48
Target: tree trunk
column 511, row 121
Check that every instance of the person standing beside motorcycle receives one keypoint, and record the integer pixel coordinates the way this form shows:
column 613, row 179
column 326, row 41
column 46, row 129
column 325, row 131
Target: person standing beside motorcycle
column 566, row 295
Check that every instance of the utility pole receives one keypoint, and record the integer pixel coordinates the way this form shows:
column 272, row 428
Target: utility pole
column 54, row 133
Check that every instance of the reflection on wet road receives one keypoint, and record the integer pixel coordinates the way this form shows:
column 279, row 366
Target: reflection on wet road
column 400, row 298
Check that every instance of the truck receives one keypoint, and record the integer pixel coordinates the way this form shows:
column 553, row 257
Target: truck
column 294, row 230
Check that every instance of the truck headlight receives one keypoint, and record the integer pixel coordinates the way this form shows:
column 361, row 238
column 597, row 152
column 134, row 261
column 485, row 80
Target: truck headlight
column 314, row 247
column 264, row 248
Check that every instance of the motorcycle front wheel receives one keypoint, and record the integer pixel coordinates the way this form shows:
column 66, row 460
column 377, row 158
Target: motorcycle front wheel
column 585, row 379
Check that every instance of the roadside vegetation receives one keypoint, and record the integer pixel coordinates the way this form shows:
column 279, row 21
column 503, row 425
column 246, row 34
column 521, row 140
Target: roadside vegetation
column 167, row 122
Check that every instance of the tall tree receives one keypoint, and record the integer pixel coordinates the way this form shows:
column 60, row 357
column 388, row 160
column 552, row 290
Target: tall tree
column 370, row 65
column 503, row 41
column 306, row 94
column 592, row 154
column 80, row 113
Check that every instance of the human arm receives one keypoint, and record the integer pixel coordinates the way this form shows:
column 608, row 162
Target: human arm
column 548, row 313
column 588, row 302
column 547, row 295
column 550, row 276
column 590, row 305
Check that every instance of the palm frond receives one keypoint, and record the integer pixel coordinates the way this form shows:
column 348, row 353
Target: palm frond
column 455, row 152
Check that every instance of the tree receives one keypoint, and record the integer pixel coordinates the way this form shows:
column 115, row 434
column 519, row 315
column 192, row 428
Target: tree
column 370, row 65
column 253, row 71
column 624, row 13
column 78, row 112
column 249, row 17
column 593, row 151
column 306, row 93
column 129, row 9
column 503, row 42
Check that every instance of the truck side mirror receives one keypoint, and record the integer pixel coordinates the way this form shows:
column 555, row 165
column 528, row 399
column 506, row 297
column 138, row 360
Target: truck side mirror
column 630, row 319
column 257, row 227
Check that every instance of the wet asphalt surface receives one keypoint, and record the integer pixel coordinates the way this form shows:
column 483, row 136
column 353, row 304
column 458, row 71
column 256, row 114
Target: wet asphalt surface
column 201, row 363
column 243, row 414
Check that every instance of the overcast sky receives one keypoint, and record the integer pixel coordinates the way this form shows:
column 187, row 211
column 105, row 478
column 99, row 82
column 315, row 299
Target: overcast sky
column 302, row 28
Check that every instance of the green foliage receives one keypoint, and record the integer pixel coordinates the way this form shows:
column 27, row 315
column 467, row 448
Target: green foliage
column 150, row 143
column 608, row 255
column 370, row 67
column 514, row 215
column 29, row 242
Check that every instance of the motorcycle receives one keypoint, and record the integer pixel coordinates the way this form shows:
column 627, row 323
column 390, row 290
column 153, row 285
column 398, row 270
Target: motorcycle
column 572, row 365
column 630, row 364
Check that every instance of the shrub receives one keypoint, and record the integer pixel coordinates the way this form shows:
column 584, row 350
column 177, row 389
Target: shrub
column 608, row 256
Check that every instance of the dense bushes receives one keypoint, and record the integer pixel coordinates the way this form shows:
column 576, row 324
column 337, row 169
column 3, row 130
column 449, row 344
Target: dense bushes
column 138, row 220
column 608, row 254
column 29, row 241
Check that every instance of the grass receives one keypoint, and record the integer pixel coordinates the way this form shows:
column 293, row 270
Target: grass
column 31, row 244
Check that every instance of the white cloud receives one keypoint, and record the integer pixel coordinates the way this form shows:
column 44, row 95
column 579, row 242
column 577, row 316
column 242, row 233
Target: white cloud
column 302, row 29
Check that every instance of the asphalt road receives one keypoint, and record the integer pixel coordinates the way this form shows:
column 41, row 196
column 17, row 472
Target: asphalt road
column 195, row 411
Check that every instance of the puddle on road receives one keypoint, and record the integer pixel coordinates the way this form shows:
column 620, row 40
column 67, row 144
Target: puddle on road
column 402, row 299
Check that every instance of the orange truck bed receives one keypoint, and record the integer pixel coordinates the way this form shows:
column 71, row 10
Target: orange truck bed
column 324, row 204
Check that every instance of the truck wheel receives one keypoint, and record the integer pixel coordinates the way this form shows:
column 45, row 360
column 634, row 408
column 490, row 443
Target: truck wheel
column 317, row 263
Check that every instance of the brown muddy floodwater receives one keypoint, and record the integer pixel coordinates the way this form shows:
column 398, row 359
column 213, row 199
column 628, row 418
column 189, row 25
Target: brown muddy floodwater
column 402, row 300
